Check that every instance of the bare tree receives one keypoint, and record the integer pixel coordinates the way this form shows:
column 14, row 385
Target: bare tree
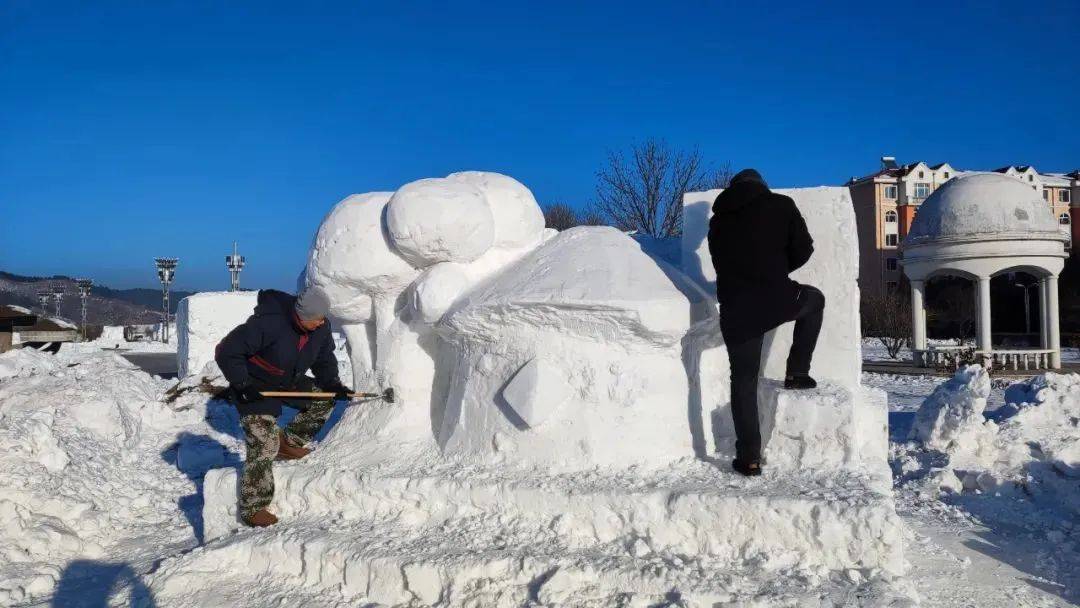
column 888, row 318
column 560, row 216
column 644, row 192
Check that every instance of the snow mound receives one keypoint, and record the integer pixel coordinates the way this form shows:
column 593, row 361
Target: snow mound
column 24, row 362
column 81, row 467
column 1031, row 444
column 952, row 416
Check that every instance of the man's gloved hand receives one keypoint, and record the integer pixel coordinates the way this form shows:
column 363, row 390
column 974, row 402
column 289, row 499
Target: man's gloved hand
column 246, row 394
column 341, row 392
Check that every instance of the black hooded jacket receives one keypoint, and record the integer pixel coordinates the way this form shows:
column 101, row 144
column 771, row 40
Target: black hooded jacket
column 270, row 351
column 756, row 237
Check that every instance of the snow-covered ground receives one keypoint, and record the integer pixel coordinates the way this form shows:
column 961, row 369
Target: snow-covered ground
column 102, row 467
column 1012, row 537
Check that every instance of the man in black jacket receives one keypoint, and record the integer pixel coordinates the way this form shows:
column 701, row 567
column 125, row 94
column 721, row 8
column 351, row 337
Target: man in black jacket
column 272, row 351
column 756, row 238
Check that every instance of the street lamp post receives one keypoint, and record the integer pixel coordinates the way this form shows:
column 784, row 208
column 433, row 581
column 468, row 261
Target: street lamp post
column 235, row 263
column 84, row 292
column 43, row 299
column 58, row 297
column 166, row 270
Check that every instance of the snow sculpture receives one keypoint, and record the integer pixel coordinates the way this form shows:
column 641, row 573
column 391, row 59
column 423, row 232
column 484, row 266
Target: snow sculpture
column 556, row 397
column 608, row 320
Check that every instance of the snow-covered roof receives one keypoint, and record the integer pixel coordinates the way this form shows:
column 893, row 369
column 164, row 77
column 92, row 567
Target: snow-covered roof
column 983, row 206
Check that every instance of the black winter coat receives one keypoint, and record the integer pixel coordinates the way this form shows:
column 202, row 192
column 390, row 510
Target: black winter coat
column 756, row 237
column 270, row 351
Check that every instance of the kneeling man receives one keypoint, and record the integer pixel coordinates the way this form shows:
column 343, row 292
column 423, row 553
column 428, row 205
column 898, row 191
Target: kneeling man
column 273, row 351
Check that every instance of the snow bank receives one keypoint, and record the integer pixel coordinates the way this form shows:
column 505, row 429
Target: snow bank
column 203, row 319
column 81, row 441
column 1033, row 442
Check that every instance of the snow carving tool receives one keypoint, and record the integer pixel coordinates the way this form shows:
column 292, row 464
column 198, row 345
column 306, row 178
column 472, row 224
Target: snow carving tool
column 387, row 395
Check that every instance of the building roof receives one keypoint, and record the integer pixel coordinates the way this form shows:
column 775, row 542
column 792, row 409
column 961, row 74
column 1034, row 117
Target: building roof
column 983, row 206
column 21, row 318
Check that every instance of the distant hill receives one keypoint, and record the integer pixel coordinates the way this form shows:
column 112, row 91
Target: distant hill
column 105, row 306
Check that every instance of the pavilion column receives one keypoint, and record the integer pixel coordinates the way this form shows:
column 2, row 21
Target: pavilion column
column 984, row 317
column 918, row 321
column 1053, row 324
column 1044, row 315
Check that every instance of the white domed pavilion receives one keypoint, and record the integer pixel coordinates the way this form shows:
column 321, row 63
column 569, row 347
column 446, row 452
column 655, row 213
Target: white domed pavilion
column 979, row 226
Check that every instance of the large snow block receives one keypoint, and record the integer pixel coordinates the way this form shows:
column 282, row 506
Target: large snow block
column 834, row 268
column 824, row 429
column 203, row 319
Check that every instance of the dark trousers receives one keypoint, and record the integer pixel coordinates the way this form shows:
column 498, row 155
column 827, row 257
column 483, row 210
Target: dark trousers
column 745, row 361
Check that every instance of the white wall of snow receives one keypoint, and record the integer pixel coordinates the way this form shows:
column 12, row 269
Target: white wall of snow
column 203, row 319
column 834, row 269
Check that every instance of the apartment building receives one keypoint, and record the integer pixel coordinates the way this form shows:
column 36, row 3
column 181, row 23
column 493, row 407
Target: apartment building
column 887, row 201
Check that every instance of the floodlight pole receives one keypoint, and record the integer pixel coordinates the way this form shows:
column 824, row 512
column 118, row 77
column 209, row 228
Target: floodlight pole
column 235, row 263
column 43, row 300
column 166, row 269
column 58, row 297
column 84, row 286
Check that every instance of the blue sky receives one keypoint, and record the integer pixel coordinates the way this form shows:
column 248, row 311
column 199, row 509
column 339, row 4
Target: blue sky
column 135, row 129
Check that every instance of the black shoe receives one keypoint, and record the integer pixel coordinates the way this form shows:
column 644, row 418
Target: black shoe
column 749, row 468
column 799, row 383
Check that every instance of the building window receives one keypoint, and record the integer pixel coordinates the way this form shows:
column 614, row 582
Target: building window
column 1064, row 220
column 892, row 240
column 890, row 264
column 1046, row 195
column 890, row 192
column 946, row 175
column 890, row 217
column 1030, row 178
column 1063, row 196
column 891, row 286
column 922, row 190
column 921, row 175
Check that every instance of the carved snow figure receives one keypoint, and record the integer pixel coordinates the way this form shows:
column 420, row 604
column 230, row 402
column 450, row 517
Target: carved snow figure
column 554, row 422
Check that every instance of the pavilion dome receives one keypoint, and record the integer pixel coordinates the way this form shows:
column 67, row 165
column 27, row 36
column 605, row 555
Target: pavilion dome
column 983, row 206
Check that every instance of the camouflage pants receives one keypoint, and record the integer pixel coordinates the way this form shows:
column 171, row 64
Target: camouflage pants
column 261, row 435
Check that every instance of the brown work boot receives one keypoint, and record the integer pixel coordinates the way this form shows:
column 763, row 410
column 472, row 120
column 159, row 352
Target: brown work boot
column 288, row 451
column 261, row 519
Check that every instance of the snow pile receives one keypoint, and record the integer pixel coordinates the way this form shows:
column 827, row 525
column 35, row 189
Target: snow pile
column 83, row 442
column 203, row 319
column 24, row 362
column 1031, row 443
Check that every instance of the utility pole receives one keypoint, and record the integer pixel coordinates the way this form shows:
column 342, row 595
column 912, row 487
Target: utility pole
column 235, row 263
column 84, row 292
column 166, row 270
